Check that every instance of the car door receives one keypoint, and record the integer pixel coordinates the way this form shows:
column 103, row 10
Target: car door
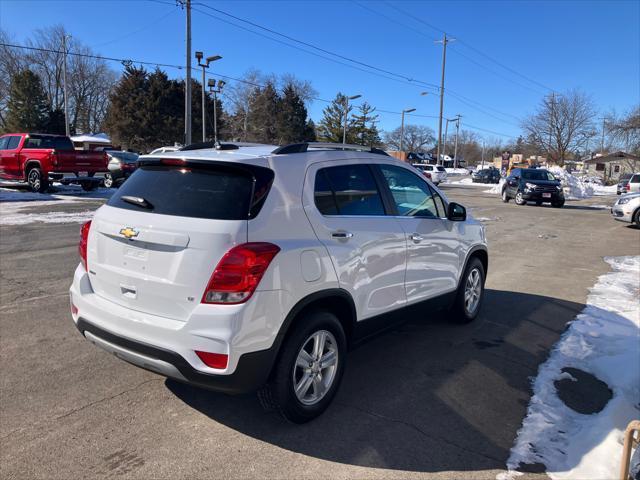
column 367, row 247
column 9, row 155
column 512, row 182
column 433, row 248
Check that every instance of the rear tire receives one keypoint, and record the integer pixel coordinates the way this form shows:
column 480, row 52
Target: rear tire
column 558, row 204
column 37, row 182
column 88, row 186
column 505, row 196
column 291, row 370
column 470, row 294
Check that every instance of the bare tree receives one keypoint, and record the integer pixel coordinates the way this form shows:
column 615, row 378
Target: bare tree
column 417, row 138
column 624, row 131
column 562, row 124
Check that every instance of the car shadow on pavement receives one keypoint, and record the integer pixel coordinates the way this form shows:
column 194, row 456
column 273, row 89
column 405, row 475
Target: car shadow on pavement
column 427, row 396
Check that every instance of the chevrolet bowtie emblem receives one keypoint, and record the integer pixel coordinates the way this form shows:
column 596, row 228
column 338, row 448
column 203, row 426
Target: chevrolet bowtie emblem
column 129, row 233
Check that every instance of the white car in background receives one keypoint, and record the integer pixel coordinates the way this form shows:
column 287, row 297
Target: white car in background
column 239, row 268
column 438, row 172
column 627, row 209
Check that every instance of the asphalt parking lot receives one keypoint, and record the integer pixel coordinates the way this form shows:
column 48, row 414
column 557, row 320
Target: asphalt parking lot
column 426, row 400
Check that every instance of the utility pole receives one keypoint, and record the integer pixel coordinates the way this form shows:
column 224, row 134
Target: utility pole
column 455, row 149
column 604, row 119
column 187, row 85
column 444, row 42
column 482, row 155
column 64, row 83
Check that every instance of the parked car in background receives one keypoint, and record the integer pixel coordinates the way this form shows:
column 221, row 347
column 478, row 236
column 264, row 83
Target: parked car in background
column 438, row 173
column 121, row 166
column 627, row 209
column 256, row 267
column 622, row 184
column 533, row 185
column 488, row 175
column 633, row 185
column 36, row 160
column 419, row 167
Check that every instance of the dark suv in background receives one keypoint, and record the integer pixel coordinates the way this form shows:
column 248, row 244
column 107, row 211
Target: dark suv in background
column 487, row 175
column 533, row 185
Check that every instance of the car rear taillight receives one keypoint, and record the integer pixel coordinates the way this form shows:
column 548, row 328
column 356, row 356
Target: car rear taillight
column 213, row 360
column 627, row 187
column 239, row 272
column 82, row 246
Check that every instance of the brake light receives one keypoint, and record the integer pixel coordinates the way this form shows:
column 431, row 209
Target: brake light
column 239, row 272
column 627, row 187
column 173, row 162
column 213, row 360
column 82, row 246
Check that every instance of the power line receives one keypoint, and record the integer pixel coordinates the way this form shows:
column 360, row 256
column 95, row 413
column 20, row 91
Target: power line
column 127, row 35
column 500, row 64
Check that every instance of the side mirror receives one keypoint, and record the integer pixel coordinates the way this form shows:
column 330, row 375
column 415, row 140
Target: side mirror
column 456, row 212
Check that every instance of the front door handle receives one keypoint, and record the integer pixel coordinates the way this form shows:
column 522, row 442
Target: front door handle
column 342, row 234
column 416, row 237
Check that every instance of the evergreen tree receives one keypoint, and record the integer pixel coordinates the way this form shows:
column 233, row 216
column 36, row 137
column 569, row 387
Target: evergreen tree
column 292, row 117
column 55, row 122
column 27, row 108
column 128, row 116
column 310, row 131
column 331, row 126
column 365, row 128
column 263, row 114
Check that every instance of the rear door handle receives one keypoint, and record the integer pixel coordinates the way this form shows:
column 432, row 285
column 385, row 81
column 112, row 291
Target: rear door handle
column 342, row 234
column 416, row 237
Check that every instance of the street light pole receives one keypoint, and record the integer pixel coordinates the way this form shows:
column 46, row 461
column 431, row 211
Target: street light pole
column 409, row 110
column 205, row 65
column 346, row 116
column 187, row 85
column 455, row 149
column 212, row 89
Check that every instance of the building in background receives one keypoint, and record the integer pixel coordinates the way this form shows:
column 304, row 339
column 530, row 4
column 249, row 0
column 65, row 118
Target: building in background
column 612, row 166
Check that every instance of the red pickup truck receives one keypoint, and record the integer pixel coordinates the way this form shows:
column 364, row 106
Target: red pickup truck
column 37, row 159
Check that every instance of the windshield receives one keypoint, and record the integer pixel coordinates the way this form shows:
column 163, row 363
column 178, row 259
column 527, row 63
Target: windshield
column 537, row 175
column 127, row 157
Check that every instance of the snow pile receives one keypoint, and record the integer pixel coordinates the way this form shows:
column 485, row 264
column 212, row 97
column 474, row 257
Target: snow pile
column 497, row 188
column 602, row 340
column 574, row 188
column 47, row 217
column 457, row 171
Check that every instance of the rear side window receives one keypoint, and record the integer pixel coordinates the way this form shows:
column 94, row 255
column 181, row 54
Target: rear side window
column 635, row 179
column 353, row 191
column 441, row 169
column 48, row 142
column 212, row 192
column 3, row 143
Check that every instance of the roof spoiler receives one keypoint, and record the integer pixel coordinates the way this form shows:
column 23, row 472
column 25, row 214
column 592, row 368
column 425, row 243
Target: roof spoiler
column 304, row 147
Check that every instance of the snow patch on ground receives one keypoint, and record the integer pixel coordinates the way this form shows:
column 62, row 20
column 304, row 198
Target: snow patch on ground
column 14, row 202
column 602, row 340
column 497, row 188
column 465, row 181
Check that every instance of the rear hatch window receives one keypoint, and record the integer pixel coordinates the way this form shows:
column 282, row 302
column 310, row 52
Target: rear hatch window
column 214, row 191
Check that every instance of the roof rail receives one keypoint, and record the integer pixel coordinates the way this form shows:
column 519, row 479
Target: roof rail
column 304, row 147
column 219, row 145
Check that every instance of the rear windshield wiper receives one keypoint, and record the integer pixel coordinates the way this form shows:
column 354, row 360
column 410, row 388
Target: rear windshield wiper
column 137, row 201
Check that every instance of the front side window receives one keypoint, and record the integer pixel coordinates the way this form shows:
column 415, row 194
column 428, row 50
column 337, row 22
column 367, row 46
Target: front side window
column 3, row 143
column 411, row 195
column 442, row 209
column 13, row 142
column 347, row 190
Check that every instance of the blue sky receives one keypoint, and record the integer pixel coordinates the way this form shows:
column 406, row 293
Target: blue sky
column 559, row 45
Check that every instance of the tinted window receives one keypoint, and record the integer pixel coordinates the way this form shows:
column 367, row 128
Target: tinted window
column 13, row 142
column 127, row 157
column 48, row 142
column 411, row 194
column 516, row 173
column 324, row 198
column 354, row 190
column 3, row 143
column 635, row 179
column 212, row 192
column 537, row 175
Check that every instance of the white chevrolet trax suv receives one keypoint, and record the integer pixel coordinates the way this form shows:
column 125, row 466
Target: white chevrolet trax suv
column 248, row 267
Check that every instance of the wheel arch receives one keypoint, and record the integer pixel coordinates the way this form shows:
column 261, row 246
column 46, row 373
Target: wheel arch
column 29, row 164
column 481, row 253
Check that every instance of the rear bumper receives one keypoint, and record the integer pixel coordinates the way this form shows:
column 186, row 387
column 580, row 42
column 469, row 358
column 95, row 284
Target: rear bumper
column 251, row 372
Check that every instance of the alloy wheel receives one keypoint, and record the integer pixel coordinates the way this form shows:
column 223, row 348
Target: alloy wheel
column 315, row 368
column 472, row 291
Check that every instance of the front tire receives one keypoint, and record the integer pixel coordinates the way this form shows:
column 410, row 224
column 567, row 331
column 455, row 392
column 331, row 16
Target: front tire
column 558, row 204
column 309, row 369
column 520, row 199
column 636, row 218
column 470, row 293
column 37, row 182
